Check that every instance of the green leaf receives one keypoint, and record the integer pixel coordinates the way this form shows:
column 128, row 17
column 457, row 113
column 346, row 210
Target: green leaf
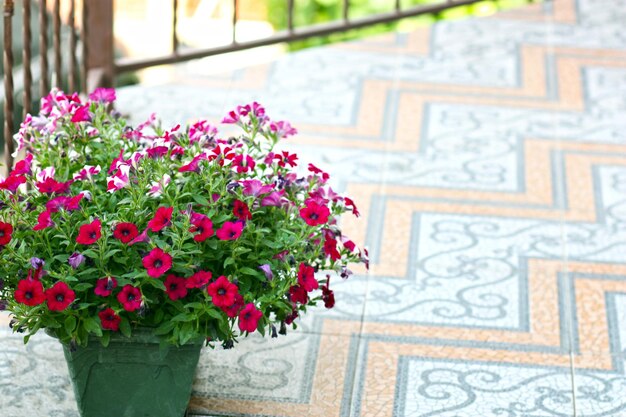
column 182, row 317
column 125, row 327
column 215, row 313
column 164, row 328
column 157, row 283
column 92, row 326
column 228, row 261
column 105, row 339
column 70, row 324
column 186, row 333
column 201, row 200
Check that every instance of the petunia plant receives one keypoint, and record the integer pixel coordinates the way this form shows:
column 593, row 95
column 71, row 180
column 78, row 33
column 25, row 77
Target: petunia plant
column 106, row 227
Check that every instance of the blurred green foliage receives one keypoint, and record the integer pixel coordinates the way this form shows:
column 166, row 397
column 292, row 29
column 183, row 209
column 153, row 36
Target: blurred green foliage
column 309, row 12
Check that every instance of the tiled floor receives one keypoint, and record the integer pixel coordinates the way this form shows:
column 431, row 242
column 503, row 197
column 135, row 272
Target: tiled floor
column 489, row 159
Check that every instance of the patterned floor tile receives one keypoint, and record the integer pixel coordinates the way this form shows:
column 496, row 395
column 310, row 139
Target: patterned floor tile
column 298, row 374
column 400, row 378
column 600, row 386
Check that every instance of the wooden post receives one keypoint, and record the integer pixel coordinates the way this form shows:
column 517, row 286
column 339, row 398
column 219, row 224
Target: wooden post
column 100, row 61
column 8, row 83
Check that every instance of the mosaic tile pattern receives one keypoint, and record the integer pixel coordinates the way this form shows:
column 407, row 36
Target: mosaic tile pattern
column 488, row 157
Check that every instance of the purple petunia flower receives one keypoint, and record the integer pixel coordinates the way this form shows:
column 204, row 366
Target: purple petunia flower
column 37, row 262
column 76, row 259
column 267, row 270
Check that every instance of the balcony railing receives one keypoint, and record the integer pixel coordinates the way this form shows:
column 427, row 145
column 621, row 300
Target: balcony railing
column 91, row 42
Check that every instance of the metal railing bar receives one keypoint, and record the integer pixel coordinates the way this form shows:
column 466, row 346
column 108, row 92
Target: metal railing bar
column 346, row 9
column 73, row 63
column 26, row 56
column 398, row 5
column 8, row 9
column 174, row 25
column 234, row 39
column 133, row 64
column 290, row 10
column 44, row 86
column 83, row 35
column 56, row 43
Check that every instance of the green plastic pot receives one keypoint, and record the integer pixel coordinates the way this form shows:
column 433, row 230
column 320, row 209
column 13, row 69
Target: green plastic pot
column 132, row 377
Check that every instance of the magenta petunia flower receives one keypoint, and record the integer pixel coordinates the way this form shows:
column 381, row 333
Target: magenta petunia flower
column 255, row 188
column 249, row 318
column 59, row 296
column 157, row 262
column 275, row 199
column 141, row 238
column 105, row 286
column 129, row 297
column 230, row 231
column 88, row 234
column 103, row 95
column 175, row 287
column 161, row 219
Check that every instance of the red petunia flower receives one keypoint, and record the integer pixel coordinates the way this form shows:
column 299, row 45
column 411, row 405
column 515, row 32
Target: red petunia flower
column 234, row 309
column 241, row 210
column 29, row 292
column 109, row 320
column 105, row 286
column 175, row 287
column 223, row 292
column 328, row 296
column 43, row 221
column 125, row 232
column 349, row 203
column 201, row 225
column 129, row 297
column 162, row 218
column 157, row 262
column 316, row 170
column 230, row 231
column 297, row 294
column 306, row 277
column 81, row 114
column 89, row 234
column 23, row 166
column 243, row 163
column 12, row 183
column 330, row 248
column 249, row 318
column 59, row 296
column 199, row 279
column 6, row 230
column 314, row 214
column 194, row 165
